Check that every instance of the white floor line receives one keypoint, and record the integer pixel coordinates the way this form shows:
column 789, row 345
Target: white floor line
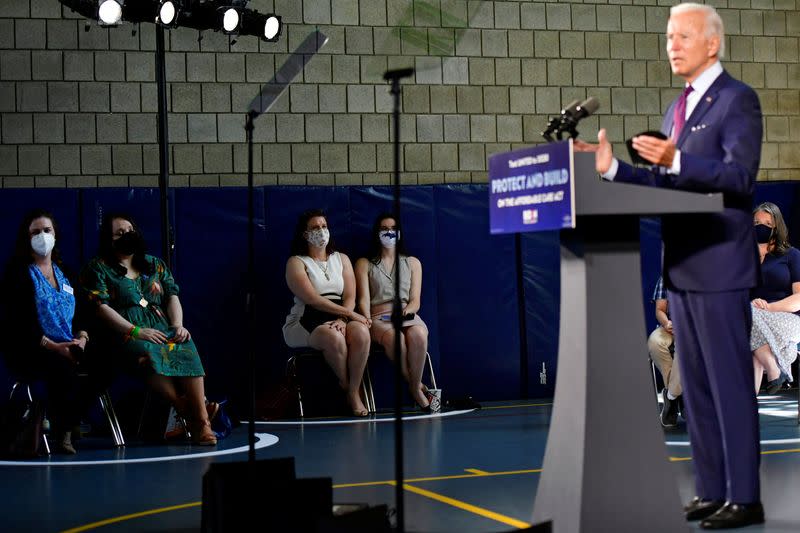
column 771, row 441
column 264, row 440
column 366, row 420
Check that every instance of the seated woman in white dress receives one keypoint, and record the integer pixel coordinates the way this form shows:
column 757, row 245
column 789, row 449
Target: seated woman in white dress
column 776, row 301
column 322, row 317
column 375, row 278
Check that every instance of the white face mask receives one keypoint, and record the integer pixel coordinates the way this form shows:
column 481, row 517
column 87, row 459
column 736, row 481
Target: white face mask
column 318, row 238
column 389, row 238
column 43, row 243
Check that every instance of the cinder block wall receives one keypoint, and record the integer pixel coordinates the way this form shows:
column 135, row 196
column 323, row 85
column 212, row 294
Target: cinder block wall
column 78, row 108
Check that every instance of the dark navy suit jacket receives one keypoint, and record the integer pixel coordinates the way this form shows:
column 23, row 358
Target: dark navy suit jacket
column 720, row 148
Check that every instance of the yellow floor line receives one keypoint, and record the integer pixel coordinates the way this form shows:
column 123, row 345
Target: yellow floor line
column 476, row 471
column 770, row 452
column 507, row 520
column 439, row 478
column 108, row 521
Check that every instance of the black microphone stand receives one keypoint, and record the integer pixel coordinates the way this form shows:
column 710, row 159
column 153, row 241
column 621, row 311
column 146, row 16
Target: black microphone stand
column 251, row 289
column 394, row 77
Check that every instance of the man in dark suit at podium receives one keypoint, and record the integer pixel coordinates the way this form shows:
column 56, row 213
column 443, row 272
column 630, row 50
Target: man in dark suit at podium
column 710, row 260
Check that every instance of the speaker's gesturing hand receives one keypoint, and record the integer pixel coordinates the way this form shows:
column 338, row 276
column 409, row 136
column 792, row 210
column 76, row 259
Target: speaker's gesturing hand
column 657, row 151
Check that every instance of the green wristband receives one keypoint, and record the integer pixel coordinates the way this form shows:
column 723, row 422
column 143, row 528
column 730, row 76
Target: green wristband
column 135, row 332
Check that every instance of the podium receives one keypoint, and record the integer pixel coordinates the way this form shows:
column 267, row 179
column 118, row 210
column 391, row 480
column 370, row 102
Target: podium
column 605, row 466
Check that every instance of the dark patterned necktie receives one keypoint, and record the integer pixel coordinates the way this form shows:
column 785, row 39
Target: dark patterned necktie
column 679, row 118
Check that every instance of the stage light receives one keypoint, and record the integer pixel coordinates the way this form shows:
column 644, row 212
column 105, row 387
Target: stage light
column 267, row 27
column 110, row 12
column 230, row 19
column 272, row 28
column 168, row 12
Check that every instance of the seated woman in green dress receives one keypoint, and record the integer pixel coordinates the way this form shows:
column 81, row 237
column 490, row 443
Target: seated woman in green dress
column 137, row 299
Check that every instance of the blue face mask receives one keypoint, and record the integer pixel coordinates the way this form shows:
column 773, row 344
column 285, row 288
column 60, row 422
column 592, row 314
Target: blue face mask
column 388, row 238
column 763, row 233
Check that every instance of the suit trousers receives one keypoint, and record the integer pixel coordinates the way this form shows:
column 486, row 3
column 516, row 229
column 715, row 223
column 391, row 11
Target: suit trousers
column 712, row 335
column 658, row 345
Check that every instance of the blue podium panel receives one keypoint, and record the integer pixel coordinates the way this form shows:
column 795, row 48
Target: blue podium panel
column 282, row 207
column 419, row 232
column 64, row 206
column 541, row 279
column 140, row 204
column 211, row 254
column 477, row 293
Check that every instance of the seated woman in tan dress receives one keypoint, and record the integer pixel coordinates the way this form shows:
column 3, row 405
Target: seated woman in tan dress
column 322, row 317
column 375, row 278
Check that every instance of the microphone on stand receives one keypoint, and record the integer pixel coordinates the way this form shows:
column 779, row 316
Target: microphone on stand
column 555, row 123
column 570, row 121
column 391, row 75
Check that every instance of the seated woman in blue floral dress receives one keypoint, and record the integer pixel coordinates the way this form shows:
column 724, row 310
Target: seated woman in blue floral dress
column 43, row 337
column 137, row 300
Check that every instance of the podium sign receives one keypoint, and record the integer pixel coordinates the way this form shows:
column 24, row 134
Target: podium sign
column 532, row 189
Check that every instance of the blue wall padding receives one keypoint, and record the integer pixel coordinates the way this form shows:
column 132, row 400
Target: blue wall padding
column 469, row 290
column 477, row 294
column 211, row 243
column 541, row 261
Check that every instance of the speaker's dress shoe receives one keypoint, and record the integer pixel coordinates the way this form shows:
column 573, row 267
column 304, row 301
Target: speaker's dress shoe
column 682, row 408
column 669, row 412
column 732, row 515
column 698, row 508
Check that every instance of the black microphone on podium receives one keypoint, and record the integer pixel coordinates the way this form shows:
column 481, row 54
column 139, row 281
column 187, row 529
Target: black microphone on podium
column 555, row 123
column 586, row 108
column 569, row 118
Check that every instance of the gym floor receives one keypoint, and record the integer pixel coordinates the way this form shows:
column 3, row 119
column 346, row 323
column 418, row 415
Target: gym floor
column 469, row 471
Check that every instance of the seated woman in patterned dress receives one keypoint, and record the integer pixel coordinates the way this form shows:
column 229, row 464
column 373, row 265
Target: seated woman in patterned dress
column 375, row 279
column 776, row 301
column 322, row 317
column 137, row 301
column 44, row 337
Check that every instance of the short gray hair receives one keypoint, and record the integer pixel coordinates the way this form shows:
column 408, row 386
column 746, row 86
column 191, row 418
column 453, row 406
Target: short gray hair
column 714, row 25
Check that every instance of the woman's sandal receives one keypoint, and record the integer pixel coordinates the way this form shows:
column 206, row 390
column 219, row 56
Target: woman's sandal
column 203, row 435
column 212, row 408
column 426, row 409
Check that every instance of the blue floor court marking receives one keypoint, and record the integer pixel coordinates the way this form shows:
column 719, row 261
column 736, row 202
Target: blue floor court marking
column 357, row 420
column 264, row 440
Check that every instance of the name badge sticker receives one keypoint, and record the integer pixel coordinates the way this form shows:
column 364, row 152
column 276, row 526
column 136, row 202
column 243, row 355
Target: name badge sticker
column 66, row 288
column 143, row 302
